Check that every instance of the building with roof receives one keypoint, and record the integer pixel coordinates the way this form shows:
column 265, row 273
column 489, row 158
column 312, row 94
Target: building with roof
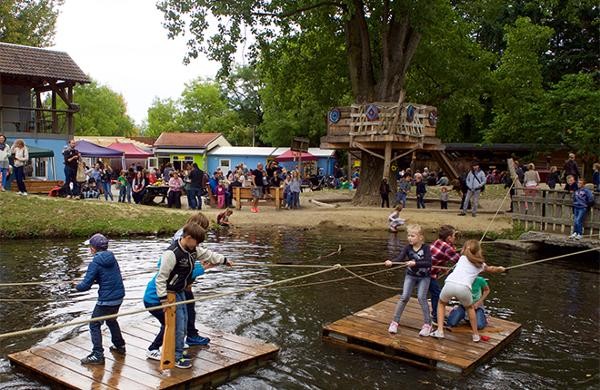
column 186, row 148
column 26, row 75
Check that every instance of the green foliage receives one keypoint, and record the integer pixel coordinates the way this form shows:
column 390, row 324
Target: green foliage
column 163, row 116
column 102, row 111
column 28, row 22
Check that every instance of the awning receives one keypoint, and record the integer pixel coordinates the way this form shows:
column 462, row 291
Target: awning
column 35, row 152
column 291, row 156
column 130, row 150
column 88, row 149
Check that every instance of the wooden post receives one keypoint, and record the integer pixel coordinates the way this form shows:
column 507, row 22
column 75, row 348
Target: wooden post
column 38, row 114
column 54, row 114
column 387, row 160
column 350, row 167
column 278, row 197
column 70, row 126
column 167, row 356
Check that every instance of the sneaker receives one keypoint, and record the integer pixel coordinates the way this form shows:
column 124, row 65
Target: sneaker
column 24, row 194
column 476, row 338
column 183, row 363
column 578, row 236
column 474, row 215
column 462, row 213
column 197, row 340
column 153, row 354
column 437, row 334
column 120, row 350
column 573, row 235
column 393, row 327
column 425, row 330
column 252, row 209
column 92, row 359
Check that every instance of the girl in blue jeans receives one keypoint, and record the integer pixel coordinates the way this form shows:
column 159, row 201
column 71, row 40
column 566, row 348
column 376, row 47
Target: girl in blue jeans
column 417, row 274
column 582, row 199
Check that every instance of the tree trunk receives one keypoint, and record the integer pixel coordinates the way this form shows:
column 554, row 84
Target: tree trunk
column 371, row 173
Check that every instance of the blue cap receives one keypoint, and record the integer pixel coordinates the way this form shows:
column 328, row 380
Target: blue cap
column 98, row 241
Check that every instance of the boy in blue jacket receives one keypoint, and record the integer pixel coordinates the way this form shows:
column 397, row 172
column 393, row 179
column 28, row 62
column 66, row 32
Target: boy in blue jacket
column 582, row 199
column 104, row 270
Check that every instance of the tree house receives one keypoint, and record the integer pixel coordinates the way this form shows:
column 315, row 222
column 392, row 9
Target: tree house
column 388, row 131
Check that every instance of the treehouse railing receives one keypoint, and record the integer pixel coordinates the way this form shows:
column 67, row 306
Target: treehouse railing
column 552, row 210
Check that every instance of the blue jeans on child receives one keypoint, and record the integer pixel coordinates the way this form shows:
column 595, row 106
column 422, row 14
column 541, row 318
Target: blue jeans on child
column 458, row 314
column 420, row 201
column 434, row 291
column 4, row 172
column 106, row 186
column 113, row 326
column 160, row 316
column 181, row 326
column 578, row 218
column 422, row 284
column 401, row 198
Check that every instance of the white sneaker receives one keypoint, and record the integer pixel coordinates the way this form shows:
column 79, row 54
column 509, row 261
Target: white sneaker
column 578, row 236
column 393, row 327
column 153, row 354
column 573, row 235
column 24, row 194
column 476, row 338
column 425, row 330
column 437, row 334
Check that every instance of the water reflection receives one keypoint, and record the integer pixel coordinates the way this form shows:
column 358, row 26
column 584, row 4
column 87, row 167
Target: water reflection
column 557, row 303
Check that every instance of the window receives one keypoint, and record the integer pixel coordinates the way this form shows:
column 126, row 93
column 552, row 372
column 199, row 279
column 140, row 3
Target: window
column 40, row 167
column 224, row 164
column 152, row 162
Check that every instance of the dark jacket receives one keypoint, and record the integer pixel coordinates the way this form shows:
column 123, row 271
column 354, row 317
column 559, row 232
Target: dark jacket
column 384, row 188
column 583, row 198
column 175, row 271
column 422, row 259
column 104, row 270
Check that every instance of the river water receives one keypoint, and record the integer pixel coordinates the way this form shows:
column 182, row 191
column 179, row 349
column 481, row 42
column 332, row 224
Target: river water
column 557, row 303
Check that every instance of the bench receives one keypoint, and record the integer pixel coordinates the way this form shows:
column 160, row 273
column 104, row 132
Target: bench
column 245, row 193
column 37, row 186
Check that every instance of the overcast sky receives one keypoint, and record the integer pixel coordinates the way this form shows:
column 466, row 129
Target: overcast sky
column 122, row 44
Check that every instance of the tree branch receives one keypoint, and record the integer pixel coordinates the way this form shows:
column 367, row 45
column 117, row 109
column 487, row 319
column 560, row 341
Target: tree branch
column 299, row 10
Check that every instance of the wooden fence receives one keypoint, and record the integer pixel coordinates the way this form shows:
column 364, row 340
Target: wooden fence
column 552, row 210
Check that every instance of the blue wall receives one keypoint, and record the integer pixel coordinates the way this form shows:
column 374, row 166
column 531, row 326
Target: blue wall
column 56, row 145
column 251, row 161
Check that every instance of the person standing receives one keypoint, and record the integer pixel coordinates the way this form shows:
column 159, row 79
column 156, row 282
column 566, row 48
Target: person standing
column 106, row 180
column 475, row 182
column 444, row 198
column 257, row 186
column 553, row 177
column 421, row 190
column 71, row 156
column 195, row 187
column 384, row 191
column 571, row 167
column 596, row 177
column 21, row 157
column 4, row 163
column 583, row 198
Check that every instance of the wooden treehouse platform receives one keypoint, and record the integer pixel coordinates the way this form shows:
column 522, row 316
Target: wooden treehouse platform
column 367, row 331
column 227, row 357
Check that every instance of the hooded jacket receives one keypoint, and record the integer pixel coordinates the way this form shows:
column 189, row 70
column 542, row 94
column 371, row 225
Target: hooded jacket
column 104, row 270
column 583, row 198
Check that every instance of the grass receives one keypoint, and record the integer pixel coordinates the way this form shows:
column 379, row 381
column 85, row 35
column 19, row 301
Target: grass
column 41, row 216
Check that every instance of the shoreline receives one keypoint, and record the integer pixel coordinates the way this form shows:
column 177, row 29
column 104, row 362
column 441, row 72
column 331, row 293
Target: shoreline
column 43, row 217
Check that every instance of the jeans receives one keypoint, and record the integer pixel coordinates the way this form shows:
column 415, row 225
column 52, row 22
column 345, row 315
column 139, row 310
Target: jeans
column 434, row 291
column 113, row 326
column 106, row 185
column 70, row 175
column 194, row 199
column 422, row 284
column 458, row 313
column 160, row 316
column 420, row 200
column 401, row 198
column 128, row 191
column 578, row 218
column 123, row 194
column 20, row 177
column 473, row 197
column 181, row 326
column 4, row 172
column 191, row 314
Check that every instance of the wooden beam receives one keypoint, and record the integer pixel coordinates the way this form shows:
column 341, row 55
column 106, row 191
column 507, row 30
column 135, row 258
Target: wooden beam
column 403, row 154
column 70, row 125
column 387, row 160
column 50, row 87
column 364, row 149
column 54, row 114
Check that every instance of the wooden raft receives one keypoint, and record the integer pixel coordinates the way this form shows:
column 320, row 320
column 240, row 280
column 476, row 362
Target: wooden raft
column 367, row 331
column 226, row 357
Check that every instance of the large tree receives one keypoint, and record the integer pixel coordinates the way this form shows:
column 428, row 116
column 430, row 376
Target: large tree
column 380, row 38
column 28, row 22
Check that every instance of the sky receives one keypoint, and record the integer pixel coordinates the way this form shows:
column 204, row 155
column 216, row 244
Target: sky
column 122, row 44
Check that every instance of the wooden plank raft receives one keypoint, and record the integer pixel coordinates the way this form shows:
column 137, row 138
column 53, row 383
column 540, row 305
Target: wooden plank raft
column 226, row 357
column 367, row 331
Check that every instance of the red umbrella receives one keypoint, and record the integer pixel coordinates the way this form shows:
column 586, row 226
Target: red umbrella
column 130, row 150
column 291, row 156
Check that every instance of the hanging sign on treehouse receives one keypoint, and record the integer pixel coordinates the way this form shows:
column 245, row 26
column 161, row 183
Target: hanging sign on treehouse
column 372, row 112
column 433, row 117
column 410, row 113
column 335, row 115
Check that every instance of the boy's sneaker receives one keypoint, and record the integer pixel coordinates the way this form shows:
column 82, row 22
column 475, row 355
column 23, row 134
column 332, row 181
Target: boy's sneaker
column 578, row 236
column 476, row 338
column 120, row 350
column 183, row 363
column 437, row 334
column 393, row 327
column 573, row 235
column 92, row 359
column 197, row 340
column 153, row 354
column 425, row 330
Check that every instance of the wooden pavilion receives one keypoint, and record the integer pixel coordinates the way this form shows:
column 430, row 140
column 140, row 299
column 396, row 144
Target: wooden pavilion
column 388, row 131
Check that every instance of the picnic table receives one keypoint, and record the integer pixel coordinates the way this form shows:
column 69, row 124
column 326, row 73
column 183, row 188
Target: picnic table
column 154, row 191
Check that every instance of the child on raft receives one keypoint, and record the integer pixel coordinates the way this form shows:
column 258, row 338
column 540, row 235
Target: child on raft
column 417, row 275
column 443, row 253
column 459, row 282
column 395, row 220
column 480, row 289
column 105, row 270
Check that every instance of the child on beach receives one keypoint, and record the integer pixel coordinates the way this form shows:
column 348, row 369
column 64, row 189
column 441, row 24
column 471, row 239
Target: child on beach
column 223, row 218
column 421, row 190
column 403, row 190
column 444, row 198
column 480, row 290
column 122, row 180
column 443, row 253
column 582, row 199
column 459, row 282
column 395, row 219
column 221, row 195
column 417, row 274
column 105, row 270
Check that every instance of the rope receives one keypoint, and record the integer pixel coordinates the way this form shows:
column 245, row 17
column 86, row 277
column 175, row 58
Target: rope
column 336, row 280
column 138, row 311
column 498, row 210
column 361, row 277
column 552, row 258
